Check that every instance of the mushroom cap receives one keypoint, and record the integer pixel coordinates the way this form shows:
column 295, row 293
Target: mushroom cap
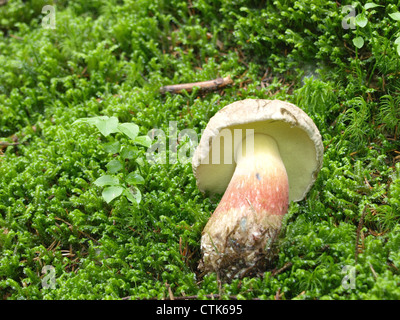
column 298, row 139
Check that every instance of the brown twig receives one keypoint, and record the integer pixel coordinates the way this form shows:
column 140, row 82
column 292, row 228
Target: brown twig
column 4, row 144
column 171, row 295
column 360, row 225
column 373, row 270
column 203, row 85
column 278, row 294
column 286, row 266
column 16, row 37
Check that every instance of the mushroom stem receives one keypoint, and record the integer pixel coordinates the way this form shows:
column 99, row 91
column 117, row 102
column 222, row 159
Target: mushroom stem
column 250, row 212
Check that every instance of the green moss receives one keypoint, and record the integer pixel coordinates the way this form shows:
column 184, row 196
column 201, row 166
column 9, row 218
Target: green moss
column 109, row 58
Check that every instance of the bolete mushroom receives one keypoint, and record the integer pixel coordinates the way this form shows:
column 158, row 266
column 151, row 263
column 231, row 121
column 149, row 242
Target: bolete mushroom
column 270, row 155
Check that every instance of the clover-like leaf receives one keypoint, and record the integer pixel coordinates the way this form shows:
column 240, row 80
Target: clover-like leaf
column 104, row 124
column 114, row 166
column 143, row 140
column 107, row 125
column 358, row 42
column 110, row 193
column 395, row 16
column 361, row 20
column 370, row 5
column 112, row 147
column 397, row 43
column 129, row 129
column 133, row 194
column 128, row 152
column 107, row 180
column 134, row 178
column 91, row 120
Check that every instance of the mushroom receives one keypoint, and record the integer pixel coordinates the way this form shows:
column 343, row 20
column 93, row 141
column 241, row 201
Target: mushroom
column 270, row 155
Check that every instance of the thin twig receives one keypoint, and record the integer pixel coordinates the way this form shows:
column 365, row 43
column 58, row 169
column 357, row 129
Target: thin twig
column 171, row 295
column 360, row 225
column 203, row 85
column 373, row 270
column 16, row 37
column 286, row 266
column 4, row 144
column 278, row 294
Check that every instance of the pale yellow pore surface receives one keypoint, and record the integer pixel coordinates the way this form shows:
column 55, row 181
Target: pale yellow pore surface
column 249, row 215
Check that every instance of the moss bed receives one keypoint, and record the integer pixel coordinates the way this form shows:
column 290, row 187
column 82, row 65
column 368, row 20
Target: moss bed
column 59, row 239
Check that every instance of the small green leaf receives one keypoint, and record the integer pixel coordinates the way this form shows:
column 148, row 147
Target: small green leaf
column 371, row 5
column 112, row 147
column 104, row 124
column 140, row 162
column 361, row 20
column 134, row 178
column 133, row 195
column 110, row 193
column 107, row 180
column 358, row 42
column 107, row 125
column 130, row 129
column 129, row 195
column 128, row 152
column 114, row 166
column 91, row 121
column 395, row 16
column 143, row 140
column 397, row 43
